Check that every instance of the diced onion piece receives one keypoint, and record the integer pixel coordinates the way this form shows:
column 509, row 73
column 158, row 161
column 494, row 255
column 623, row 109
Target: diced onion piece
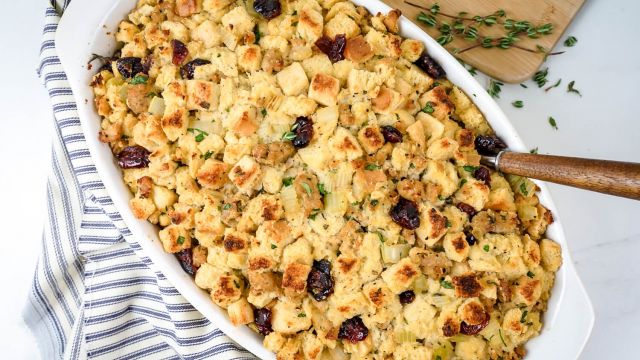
column 336, row 203
column 444, row 351
column 156, row 106
column 391, row 254
column 440, row 300
column 206, row 126
column 522, row 185
column 289, row 201
column 403, row 336
column 124, row 89
column 421, row 284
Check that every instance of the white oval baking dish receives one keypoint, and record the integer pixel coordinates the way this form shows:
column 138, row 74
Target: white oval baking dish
column 87, row 27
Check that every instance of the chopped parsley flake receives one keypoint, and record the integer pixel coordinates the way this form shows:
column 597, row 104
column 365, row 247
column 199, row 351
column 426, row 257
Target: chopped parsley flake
column 139, row 79
column 321, row 189
column 428, row 108
column 485, row 248
column 530, row 274
column 200, row 134
column 372, row 167
column 287, row 181
column 445, row 284
column 180, row 240
column 273, row 246
column 553, row 123
column 289, row 135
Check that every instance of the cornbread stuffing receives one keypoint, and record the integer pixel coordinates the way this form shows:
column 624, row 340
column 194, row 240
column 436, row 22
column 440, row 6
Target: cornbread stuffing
column 320, row 177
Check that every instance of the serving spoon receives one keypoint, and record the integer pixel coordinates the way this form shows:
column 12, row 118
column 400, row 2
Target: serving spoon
column 604, row 176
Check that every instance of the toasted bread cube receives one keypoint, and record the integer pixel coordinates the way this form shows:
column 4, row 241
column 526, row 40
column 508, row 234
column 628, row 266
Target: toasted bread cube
column 310, row 24
column 318, row 63
column 341, row 24
column 286, row 319
column 411, row 49
column 439, row 101
column 358, row 50
column 400, row 276
column 238, row 21
column 294, row 279
column 240, row 312
column 443, row 149
column 246, row 175
column 202, row 95
column 215, row 5
column 300, row 252
column 551, row 255
column 473, row 349
column 344, row 145
column 142, row 208
column 371, row 138
column 227, row 289
column 387, row 101
column 293, row 79
column 206, row 276
column 242, row 120
column 175, row 238
column 528, row 290
column 474, row 193
column 209, row 33
column 433, row 225
column 298, row 106
column 456, row 247
column 212, row 174
column 324, row 89
column 249, row 57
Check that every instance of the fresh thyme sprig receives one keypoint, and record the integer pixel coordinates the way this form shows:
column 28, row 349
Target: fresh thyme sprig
column 467, row 27
column 540, row 77
column 494, row 89
column 571, row 89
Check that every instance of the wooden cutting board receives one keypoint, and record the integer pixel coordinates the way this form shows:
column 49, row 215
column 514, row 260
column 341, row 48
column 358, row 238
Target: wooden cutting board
column 512, row 65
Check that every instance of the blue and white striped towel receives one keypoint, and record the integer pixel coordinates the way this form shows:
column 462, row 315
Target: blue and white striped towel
column 95, row 294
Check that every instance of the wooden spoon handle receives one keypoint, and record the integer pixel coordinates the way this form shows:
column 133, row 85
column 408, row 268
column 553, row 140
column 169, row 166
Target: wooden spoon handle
column 608, row 177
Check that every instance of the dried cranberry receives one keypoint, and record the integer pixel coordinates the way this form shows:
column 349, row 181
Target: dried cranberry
column 303, row 128
column 467, row 209
column 467, row 329
column 471, row 240
column 430, row 66
column 267, row 8
column 489, row 144
column 333, row 48
column 483, row 174
column 180, row 52
column 407, row 297
column 133, row 157
column 185, row 257
column 353, row 330
column 391, row 134
column 319, row 282
column 129, row 67
column 262, row 319
column 405, row 213
column 187, row 70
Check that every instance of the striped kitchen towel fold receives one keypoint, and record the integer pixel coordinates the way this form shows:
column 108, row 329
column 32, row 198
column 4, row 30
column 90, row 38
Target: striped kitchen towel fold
column 95, row 294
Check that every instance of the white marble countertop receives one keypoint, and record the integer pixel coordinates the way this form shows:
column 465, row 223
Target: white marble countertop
column 603, row 232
